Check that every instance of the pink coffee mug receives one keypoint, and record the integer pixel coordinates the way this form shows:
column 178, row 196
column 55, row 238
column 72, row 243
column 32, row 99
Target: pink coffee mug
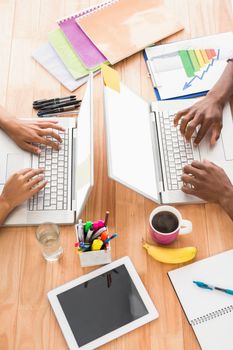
column 183, row 226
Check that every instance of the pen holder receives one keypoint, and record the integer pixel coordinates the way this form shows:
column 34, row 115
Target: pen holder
column 96, row 257
column 92, row 258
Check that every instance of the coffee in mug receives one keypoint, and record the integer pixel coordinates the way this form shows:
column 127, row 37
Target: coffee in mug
column 166, row 224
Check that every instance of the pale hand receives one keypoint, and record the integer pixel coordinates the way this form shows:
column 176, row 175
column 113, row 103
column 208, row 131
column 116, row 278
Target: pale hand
column 21, row 186
column 26, row 133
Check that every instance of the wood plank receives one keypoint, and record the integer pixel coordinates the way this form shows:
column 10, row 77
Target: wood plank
column 25, row 276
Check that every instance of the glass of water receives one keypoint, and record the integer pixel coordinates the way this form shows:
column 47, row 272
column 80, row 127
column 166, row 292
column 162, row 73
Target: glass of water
column 48, row 236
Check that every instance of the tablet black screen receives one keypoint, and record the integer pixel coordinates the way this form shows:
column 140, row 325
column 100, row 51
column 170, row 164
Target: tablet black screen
column 101, row 305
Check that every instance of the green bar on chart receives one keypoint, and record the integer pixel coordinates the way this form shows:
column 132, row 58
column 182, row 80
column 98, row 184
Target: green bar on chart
column 194, row 60
column 187, row 64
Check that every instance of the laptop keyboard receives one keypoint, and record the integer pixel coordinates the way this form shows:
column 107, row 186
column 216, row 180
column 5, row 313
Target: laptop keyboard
column 55, row 194
column 177, row 152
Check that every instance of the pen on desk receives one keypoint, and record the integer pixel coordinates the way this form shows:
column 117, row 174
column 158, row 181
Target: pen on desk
column 58, row 105
column 210, row 287
column 48, row 104
column 61, row 114
column 57, row 110
column 53, row 100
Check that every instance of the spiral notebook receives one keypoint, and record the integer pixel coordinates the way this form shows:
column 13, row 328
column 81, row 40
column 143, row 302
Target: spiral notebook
column 210, row 313
column 82, row 45
column 124, row 27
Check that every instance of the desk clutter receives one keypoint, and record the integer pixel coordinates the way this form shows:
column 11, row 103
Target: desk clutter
column 92, row 243
column 57, row 106
column 102, row 34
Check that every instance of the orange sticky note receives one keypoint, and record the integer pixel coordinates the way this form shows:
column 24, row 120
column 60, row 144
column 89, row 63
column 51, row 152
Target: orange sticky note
column 111, row 77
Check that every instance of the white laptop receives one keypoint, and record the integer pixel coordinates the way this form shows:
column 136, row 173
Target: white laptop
column 69, row 170
column 147, row 153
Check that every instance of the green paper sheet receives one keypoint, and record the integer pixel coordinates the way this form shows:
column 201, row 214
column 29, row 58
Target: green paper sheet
column 66, row 53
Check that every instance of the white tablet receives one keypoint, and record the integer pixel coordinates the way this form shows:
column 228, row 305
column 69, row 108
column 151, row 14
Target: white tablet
column 102, row 305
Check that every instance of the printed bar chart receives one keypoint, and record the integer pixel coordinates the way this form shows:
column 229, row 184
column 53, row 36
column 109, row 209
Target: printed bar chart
column 194, row 60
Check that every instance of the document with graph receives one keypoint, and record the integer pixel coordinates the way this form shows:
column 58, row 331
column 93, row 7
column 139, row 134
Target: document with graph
column 188, row 68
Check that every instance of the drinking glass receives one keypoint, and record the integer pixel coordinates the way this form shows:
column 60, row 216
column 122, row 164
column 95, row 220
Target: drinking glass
column 48, row 236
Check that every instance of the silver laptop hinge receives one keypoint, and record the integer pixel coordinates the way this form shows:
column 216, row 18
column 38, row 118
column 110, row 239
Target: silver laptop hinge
column 156, row 153
column 74, row 145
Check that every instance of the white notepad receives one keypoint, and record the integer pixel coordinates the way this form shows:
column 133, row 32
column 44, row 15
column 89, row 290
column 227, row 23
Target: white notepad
column 49, row 59
column 210, row 313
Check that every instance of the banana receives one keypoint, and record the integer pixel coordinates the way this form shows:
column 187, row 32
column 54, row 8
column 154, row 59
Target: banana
column 171, row 255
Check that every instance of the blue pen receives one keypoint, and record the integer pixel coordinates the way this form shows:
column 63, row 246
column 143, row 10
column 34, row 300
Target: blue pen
column 210, row 287
column 109, row 238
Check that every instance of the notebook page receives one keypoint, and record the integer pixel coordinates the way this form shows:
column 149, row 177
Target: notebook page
column 216, row 334
column 197, row 302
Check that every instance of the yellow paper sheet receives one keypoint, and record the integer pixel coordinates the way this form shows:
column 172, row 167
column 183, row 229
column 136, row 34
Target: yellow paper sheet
column 111, row 78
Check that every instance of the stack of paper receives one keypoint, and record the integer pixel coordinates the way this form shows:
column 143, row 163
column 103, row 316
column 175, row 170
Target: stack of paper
column 103, row 34
column 188, row 68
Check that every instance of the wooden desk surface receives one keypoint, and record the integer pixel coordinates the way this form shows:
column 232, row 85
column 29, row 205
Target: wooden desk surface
column 26, row 319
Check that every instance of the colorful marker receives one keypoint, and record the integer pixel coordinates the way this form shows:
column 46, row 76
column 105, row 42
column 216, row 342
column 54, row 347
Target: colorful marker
column 97, row 244
column 110, row 238
column 87, row 226
column 98, row 233
column 97, row 224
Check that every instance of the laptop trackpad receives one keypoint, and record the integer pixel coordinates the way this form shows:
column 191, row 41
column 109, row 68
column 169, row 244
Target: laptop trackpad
column 14, row 163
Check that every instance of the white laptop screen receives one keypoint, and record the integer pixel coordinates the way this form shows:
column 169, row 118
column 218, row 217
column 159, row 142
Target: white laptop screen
column 129, row 141
column 84, row 155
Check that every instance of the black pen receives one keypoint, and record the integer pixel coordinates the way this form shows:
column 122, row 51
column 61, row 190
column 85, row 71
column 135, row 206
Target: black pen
column 63, row 104
column 60, row 114
column 57, row 110
column 53, row 100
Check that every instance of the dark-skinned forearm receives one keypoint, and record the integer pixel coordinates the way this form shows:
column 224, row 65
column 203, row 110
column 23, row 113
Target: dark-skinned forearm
column 226, row 202
column 223, row 89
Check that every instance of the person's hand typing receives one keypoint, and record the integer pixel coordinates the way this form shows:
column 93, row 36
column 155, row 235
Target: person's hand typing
column 206, row 113
column 26, row 133
column 207, row 181
column 20, row 187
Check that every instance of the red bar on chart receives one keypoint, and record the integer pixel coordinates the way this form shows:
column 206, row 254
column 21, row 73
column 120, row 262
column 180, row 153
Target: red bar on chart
column 210, row 53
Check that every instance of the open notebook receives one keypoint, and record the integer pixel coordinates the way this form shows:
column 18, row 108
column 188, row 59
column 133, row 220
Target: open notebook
column 210, row 313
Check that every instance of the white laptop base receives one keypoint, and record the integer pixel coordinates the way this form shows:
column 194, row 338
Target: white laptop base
column 69, row 171
column 135, row 145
